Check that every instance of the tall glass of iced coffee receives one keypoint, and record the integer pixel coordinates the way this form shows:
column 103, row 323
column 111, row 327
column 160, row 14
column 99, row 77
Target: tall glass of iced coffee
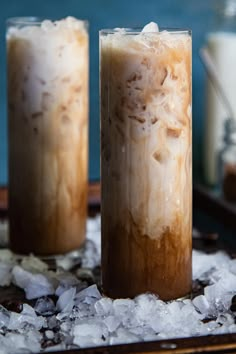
column 48, row 120
column 146, row 161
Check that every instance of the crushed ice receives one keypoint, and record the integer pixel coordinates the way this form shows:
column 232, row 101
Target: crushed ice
column 45, row 26
column 65, row 308
column 150, row 27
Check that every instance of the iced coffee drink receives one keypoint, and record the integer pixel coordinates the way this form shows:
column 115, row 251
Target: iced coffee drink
column 146, row 163
column 48, row 119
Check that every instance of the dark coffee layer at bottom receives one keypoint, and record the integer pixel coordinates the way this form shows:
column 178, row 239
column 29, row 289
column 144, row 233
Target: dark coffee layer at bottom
column 62, row 232
column 133, row 263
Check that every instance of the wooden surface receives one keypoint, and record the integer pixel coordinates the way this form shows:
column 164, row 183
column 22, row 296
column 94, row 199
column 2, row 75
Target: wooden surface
column 207, row 344
column 225, row 343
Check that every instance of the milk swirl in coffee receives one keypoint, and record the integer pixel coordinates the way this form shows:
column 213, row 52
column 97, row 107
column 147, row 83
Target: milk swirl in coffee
column 146, row 164
column 48, row 114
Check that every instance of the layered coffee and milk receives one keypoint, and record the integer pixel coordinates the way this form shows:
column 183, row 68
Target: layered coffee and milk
column 48, row 119
column 146, row 162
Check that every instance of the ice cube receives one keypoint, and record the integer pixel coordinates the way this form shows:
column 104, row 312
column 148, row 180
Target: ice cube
column 228, row 282
column 45, row 306
column 47, row 25
column 225, row 319
column 211, row 326
column 112, row 322
column 204, row 264
column 125, row 310
column 4, row 317
column 219, row 294
column 35, row 285
column 65, row 302
column 174, row 309
column 146, row 305
column 70, row 260
column 90, row 333
column 94, row 236
column 232, row 266
column 144, row 332
column 66, row 281
column 92, row 225
column 5, row 273
column 123, row 336
column 150, row 27
column 52, row 322
column 231, row 328
column 6, row 255
column 202, row 304
column 190, row 315
column 49, row 334
column 66, row 326
column 84, row 309
column 21, row 343
column 32, row 263
column 212, row 293
column 27, row 316
column 92, row 255
column 227, row 279
column 123, row 306
column 88, row 294
column 219, row 329
column 104, row 306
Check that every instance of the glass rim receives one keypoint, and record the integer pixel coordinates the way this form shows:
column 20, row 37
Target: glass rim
column 37, row 20
column 138, row 30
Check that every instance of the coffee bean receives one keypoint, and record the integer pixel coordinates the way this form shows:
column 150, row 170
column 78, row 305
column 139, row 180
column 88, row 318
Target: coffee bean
column 11, row 305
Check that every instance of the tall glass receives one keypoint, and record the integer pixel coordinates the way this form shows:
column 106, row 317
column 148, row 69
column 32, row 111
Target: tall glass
column 146, row 162
column 48, row 122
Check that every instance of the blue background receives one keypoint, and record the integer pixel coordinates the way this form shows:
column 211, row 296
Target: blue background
column 194, row 14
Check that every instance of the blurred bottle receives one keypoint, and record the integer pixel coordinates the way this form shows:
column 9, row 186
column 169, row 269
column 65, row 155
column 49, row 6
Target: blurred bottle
column 227, row 159
column 221, row 43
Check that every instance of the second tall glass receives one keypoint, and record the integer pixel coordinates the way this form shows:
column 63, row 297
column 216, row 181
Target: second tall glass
column 146, row 162
column 48, row 143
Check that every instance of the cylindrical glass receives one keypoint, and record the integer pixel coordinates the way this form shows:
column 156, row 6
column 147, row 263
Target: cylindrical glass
column 221, row 44
column 227, row 161
column 146, row 162
column 48, row 122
